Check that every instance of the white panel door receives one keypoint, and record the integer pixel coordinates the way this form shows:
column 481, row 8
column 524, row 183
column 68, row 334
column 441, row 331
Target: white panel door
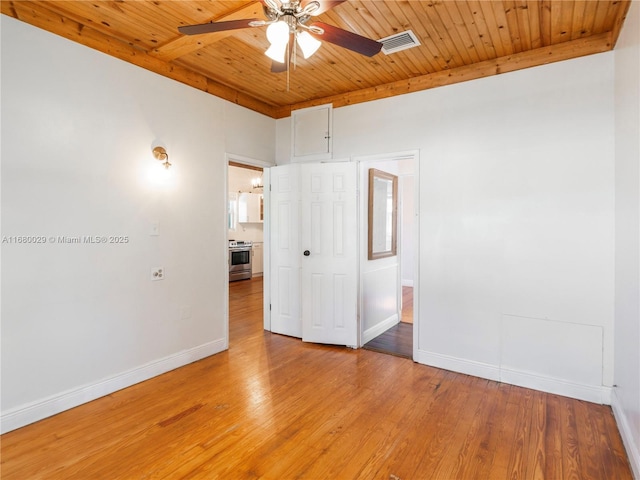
column 285, row 250
column 329, row 244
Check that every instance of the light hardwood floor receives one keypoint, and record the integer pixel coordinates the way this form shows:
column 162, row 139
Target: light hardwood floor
column 277, row 408
column 407, row 305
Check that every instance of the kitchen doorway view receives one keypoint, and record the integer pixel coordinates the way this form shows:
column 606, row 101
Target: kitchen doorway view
column 245, row 220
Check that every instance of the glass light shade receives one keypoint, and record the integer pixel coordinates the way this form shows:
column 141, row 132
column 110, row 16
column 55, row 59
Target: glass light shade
column 278, row 36
column 307, row 43
column 278, row 33
column 276, row 52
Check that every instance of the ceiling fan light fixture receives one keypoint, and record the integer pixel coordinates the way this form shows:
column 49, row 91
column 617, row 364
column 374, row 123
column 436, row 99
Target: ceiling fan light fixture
column 308, row 44
column 277, row 52
column 310, row 8
column 278, row 36
column 272, row 4
column 278, row 33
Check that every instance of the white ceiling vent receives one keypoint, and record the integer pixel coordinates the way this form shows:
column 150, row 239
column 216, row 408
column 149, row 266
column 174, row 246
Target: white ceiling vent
column 399, row 41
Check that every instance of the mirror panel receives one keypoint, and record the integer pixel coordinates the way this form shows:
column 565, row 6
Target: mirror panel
column 383, row 209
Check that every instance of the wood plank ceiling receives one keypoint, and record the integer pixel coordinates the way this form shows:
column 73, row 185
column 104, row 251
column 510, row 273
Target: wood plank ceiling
column 460, row 41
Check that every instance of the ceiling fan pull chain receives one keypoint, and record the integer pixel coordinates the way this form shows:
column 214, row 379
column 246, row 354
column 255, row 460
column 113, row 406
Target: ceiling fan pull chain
column 295, row 53
column 288, row 67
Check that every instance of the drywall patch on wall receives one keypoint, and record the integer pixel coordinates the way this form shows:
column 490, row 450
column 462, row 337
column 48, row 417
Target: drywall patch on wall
column 549, row 348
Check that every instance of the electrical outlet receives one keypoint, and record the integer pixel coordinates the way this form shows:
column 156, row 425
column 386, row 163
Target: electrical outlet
column 157, row 273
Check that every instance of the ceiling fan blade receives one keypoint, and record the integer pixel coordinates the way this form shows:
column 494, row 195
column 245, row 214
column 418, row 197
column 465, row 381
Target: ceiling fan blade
column 349, row 40
column 324, row 5
column 277, row 67
column 217, row 26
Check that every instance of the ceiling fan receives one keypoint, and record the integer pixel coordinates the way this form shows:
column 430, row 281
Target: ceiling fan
column 290, row 19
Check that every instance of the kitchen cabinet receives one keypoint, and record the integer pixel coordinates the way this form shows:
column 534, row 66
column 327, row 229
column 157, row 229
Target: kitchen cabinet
column 250, row 208
column 232, row 211
column 258, row 259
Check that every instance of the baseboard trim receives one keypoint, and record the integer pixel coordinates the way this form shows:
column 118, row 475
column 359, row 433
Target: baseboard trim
column 459, row 365
column 633, row 451
column 589, row 393
column 379, row 329
column 32, row 412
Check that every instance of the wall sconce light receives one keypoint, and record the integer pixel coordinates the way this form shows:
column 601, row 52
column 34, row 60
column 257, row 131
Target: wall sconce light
column 256, row 183
column 161, row 154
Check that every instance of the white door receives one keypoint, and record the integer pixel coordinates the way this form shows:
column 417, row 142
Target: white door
column 285, row 250
column 330, row 249
column 327, row 252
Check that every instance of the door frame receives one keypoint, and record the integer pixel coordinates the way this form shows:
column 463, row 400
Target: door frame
column 396, row 156
column 253, row 162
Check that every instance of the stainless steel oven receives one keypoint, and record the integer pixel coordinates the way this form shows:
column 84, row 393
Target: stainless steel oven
column 239, row 260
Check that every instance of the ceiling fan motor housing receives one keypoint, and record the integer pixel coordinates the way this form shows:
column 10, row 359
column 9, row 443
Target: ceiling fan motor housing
column 292, row 13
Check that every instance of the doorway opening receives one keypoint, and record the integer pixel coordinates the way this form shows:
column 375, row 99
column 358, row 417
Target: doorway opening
column 245, row 234
column 392, row 280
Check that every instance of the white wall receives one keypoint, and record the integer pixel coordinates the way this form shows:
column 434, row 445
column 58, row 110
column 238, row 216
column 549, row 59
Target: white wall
column 516, row 201
column 626, row 398
column 406, row 189
column 82, row 320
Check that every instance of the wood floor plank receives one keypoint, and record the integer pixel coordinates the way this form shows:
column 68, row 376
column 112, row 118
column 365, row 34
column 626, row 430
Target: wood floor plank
column 407, row 304
column 610, row 448
column 488, row 441
column 537, row 455
column 410, row 445
column 571, row 453
column 475, row 447
column 273, row 407
column 518, row 466
column 553, row 438
column 507, row 433
column 442, row 428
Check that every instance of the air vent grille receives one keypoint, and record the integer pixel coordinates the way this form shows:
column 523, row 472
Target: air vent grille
column 399, row 41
